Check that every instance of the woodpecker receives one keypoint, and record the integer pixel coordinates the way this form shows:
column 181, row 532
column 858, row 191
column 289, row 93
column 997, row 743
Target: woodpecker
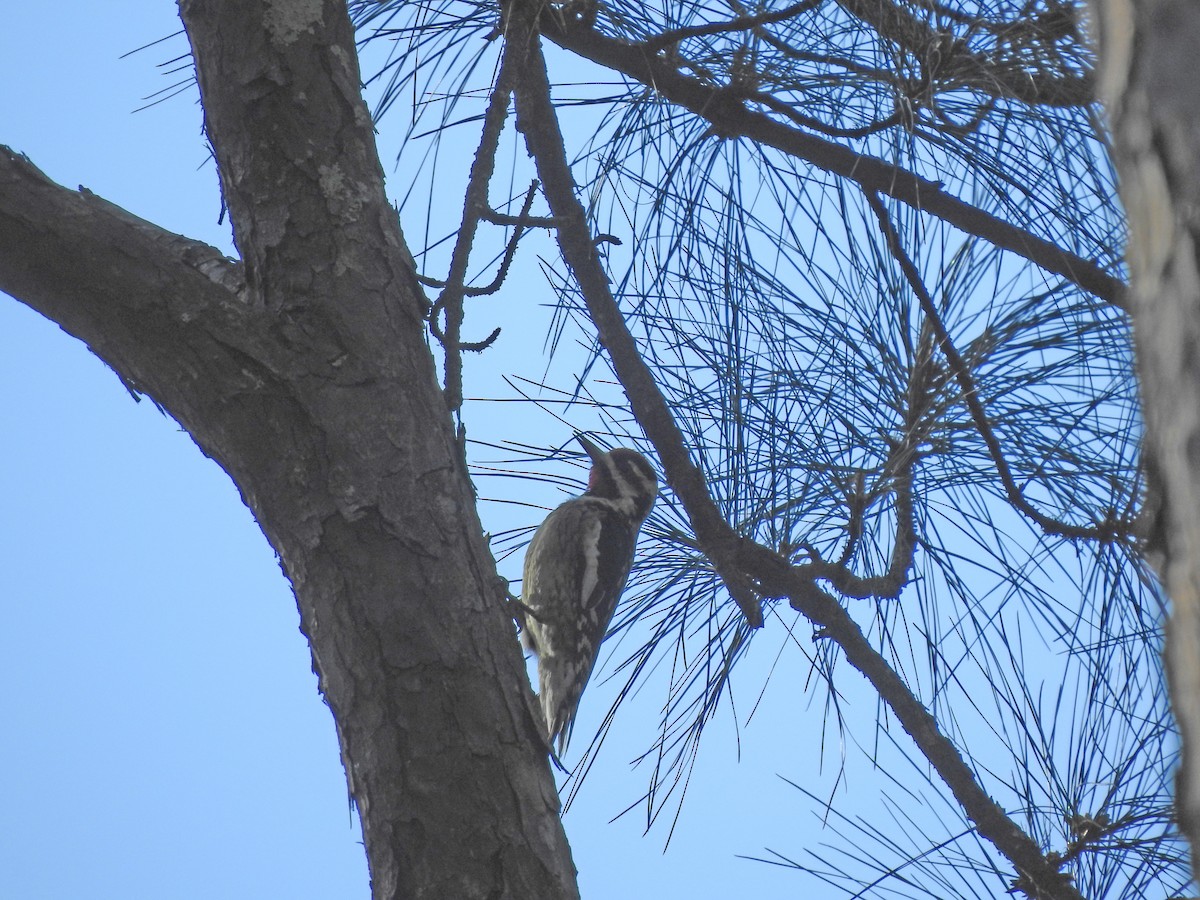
column 575, row 570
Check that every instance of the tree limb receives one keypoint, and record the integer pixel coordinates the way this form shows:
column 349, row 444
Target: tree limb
column 106, row 276
column 1107, row 531
column 730, row 117
column 537, row 120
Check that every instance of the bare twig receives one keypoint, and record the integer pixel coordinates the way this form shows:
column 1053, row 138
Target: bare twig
column 451, row 300
column 480, row 346
column 522, row 221
column 510, row 250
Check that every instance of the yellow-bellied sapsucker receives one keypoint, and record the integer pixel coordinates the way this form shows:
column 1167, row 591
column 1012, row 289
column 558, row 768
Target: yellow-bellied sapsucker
column 575, row 570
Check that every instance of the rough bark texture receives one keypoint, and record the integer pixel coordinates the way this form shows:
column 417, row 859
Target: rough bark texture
column 1148, row 53
column 305, row 374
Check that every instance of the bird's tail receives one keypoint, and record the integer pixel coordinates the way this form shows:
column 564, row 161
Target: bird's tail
column 559, row 698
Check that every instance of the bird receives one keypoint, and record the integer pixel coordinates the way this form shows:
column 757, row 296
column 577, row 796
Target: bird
column 575, row 570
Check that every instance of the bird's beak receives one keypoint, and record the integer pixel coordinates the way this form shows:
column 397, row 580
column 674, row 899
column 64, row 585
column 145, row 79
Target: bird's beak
column 592, row 450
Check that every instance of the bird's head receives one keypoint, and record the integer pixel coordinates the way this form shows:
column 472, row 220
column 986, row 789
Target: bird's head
column 622, row 476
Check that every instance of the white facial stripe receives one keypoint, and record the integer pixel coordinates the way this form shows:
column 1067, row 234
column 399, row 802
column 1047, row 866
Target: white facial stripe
column 633, row 484
column 633, row 478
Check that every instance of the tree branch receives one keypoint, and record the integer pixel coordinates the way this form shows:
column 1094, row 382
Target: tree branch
column 970, row 394
column 729, row 117
column 740, row 23
column 108, row 277
column 474, row 206
column 536, row 119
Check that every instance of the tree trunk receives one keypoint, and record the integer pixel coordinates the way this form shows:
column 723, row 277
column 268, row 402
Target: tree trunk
column 1148, row 57
column 304, row 372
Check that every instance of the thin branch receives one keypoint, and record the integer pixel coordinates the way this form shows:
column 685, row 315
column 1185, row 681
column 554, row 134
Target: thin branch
column 476, row 201
column 856, row 503
column 521, row 221
column 970, row 393
column 898, row 473
column 729, row 117
column 786, row 109
column 740, row 23
column 480, row 346
column 509, row 251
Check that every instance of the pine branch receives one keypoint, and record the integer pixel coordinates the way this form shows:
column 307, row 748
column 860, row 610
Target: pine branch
column 724, row 108
column 1108, row 531
column 538, row 121
column 734, row 557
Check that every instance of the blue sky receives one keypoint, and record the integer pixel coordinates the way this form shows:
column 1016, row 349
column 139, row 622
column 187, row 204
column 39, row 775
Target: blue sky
column 163, row 732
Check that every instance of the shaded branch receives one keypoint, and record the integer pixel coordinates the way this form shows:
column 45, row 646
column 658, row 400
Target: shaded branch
column 740, row 23
column 538, row 122
column 772, row 102
column 729, row 117
column 856, row 504
column 896, row 478
column 898, row 472
column 970, row 394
